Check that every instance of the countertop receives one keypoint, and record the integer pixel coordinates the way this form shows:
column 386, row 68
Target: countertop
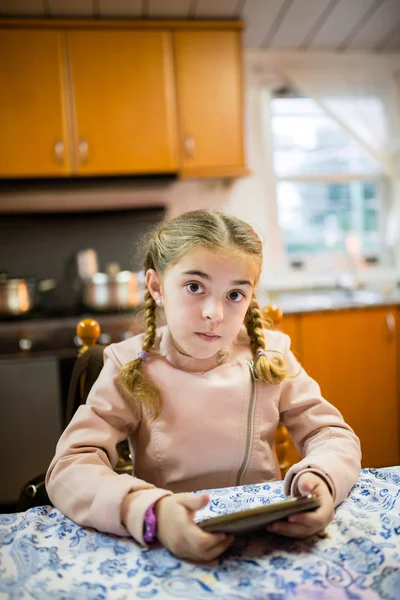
column 327, row 300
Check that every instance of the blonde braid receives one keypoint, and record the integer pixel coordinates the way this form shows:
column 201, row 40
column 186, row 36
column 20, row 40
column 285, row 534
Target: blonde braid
column 150, row 320
column 134, row 383
column 268, row 370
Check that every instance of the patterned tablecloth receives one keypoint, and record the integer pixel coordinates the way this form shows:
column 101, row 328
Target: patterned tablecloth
column 44, row 555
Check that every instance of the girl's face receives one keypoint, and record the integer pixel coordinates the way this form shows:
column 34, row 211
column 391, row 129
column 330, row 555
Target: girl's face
column 205, row 298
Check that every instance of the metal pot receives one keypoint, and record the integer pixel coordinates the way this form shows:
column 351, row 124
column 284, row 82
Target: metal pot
column 123, row 290
column 19, row 296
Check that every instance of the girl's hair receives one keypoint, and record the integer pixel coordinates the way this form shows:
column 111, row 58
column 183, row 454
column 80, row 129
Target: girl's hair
column 166, row 246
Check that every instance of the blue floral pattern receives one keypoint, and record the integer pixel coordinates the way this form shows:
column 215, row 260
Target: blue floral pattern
column 44, row 555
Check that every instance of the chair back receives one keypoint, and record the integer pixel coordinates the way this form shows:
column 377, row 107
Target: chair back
column 86, row 370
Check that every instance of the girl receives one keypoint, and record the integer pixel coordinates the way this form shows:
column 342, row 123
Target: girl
column 199, row 400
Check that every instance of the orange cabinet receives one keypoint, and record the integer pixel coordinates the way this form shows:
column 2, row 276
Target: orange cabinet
column 353, row 356
column 119, row 98
column 124, row 106
column 33, row 140
column 291, row 326
column 210, row 102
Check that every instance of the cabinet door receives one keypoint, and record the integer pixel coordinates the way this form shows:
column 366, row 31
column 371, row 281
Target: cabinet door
column 209, row 87
column 32, row 128
column 124, row 101
column 352, row 355
column 291, row 326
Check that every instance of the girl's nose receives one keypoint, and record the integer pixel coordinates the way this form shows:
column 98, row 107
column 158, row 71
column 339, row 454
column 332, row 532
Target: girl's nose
column 213, row 311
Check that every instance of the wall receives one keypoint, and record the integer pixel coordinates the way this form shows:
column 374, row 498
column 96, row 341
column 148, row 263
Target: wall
column 44, row 245
column 66, row 217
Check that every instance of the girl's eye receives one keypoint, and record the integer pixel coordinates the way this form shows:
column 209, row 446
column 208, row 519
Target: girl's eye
column 194, row 288
column 236, row 296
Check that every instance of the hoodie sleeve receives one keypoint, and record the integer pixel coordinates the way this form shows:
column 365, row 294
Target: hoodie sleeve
column 80, row 480
column 329, row 446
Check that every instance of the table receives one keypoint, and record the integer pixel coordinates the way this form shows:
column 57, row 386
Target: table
column 44, row 555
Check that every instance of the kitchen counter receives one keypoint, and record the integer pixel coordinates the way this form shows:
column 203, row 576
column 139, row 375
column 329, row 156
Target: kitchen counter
column 327, row 300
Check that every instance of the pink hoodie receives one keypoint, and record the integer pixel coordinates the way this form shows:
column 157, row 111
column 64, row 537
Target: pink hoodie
column 216, row 429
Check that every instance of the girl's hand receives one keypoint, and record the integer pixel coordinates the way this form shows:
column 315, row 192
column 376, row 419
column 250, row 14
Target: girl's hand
column 178, row 532
column 307, row 523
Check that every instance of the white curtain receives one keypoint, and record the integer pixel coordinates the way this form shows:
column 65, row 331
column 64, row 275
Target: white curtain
column 366, row 103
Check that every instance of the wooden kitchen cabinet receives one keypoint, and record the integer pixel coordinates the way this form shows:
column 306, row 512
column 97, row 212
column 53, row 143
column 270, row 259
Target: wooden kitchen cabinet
column 124, row 102
column 353, row 356
column 210, row 102
column 120, row 98
column 291, row 326
column 32, row 110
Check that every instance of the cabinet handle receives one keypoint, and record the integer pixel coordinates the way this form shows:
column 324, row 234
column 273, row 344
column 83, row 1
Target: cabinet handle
column 391, row 326
column 83, row 150
column 59, row 151
column 189, row 146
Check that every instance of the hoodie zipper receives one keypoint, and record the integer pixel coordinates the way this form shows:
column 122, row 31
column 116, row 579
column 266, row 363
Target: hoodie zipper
column 249, row 423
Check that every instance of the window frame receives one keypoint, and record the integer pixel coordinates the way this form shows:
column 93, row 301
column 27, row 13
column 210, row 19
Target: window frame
column 309, row 260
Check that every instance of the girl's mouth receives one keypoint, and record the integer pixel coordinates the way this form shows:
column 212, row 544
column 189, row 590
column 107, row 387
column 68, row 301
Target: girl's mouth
column 208, row 337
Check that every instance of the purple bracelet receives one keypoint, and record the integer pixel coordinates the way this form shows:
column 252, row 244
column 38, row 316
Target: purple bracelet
column 150, row 524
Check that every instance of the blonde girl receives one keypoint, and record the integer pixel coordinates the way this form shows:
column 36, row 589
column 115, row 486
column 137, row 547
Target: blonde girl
column 199, row 400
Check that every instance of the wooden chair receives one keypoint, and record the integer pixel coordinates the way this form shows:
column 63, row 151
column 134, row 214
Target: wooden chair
column 86, row 370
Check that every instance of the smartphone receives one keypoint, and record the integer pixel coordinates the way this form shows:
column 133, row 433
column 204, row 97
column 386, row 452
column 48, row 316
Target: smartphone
column 246, row 521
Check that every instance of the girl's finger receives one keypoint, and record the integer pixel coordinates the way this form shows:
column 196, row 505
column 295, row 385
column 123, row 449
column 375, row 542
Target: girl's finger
column 310, row 519
column 193, row 502
column 309, row 483
column 205, row 541
column 199, row 552
column 221, row 540
column 218, row 549
column 290, row 529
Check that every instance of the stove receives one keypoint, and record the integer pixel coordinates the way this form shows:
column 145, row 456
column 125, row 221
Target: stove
column 57, row 337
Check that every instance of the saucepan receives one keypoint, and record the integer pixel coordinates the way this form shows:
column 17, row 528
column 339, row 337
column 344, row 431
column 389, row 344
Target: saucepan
column 19, row 296
column 113, row 291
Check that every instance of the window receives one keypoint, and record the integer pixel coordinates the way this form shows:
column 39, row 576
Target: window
column 328, row 188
